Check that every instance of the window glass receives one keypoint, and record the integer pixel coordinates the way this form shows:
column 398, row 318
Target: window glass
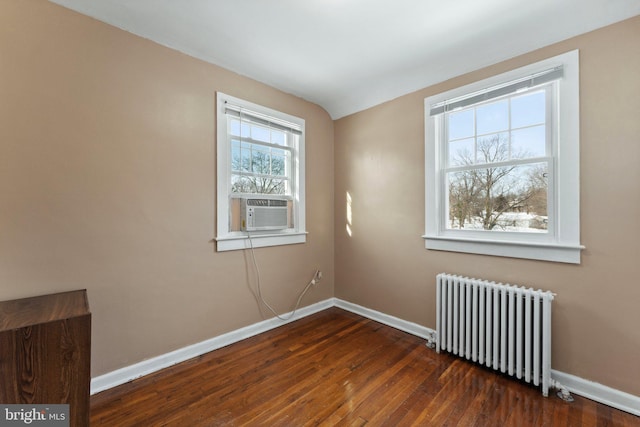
column 461, row 125
column 528, row 110
column 492, row 148
column 278, row 137
column 528, row 142
column 259, row 168
column 492, row 117
column 507, row 198
column 498, row 198
column 260, row 133
column 462, row 152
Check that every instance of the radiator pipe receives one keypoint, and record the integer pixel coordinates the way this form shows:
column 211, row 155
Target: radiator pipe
column 431, row 339
column 563, row 392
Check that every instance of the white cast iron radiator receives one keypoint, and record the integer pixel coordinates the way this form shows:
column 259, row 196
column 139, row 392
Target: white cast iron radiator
column 505, row 327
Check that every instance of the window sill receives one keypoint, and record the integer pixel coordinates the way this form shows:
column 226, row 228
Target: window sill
column 527, row 250
column 239, row 241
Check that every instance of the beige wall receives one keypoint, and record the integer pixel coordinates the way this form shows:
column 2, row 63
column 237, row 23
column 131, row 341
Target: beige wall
column 107, row 182
column 384, row 266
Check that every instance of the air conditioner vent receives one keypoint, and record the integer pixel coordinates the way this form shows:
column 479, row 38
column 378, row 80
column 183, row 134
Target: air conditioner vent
column 264, row 214
column 266, row 202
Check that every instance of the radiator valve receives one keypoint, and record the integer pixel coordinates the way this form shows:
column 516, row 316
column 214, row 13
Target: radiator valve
column 431, row 340
column 563, row 392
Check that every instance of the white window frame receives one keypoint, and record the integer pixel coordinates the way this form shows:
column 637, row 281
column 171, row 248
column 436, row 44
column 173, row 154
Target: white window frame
column 562, row 242
column 227, row 240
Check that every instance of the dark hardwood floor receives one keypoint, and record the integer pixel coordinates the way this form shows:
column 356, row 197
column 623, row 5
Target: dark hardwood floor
column 336, row 368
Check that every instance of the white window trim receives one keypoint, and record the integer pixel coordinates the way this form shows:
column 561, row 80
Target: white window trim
column 564, row 245
column 227, row 240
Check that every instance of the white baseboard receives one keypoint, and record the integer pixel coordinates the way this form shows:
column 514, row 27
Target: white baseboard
column 394, row 322
column 149, row 366
column 594, row 391
column 598, row 392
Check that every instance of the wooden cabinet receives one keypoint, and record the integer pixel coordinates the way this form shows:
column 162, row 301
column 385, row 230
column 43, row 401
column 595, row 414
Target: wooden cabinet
column 45, row 347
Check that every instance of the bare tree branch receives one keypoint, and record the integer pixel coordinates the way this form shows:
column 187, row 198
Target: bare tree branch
column 489, row 193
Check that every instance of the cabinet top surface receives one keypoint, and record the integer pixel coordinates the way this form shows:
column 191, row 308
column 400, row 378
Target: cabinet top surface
column 41, row 309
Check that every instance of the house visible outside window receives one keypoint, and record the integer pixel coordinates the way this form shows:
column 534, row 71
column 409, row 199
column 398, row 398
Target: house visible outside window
column 260, row 166
column 502, row 164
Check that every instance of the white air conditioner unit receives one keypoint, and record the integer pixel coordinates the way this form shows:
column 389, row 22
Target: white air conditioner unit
column 264, row 214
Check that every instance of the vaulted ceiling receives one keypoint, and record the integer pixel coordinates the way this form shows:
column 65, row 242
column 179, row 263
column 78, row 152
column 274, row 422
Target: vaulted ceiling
column 349, row 55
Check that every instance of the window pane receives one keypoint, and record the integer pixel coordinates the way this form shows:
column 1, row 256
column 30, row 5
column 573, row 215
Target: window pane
column 492, row 117
column 528, row 142
column 236, row 163
column 461, row 124
column 278, row 165
column 462, row 152
column 528, row 109
column 260, row 133
column 257, row 132
column 246, row 130
column 279, row 152
column 260, row 159
column 241, row 184
column 511, row 198
column 492, row 148
column 234, row 127
column 278, row 137
column 245, row 161
column 259, row 185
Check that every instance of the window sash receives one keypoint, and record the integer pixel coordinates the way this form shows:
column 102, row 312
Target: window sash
column 550, row 207
column 242, row 143
column 253, row 145
column 445, row 168
column 550, row 93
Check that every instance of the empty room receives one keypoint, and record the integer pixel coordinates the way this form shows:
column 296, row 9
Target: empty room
column 319, row 212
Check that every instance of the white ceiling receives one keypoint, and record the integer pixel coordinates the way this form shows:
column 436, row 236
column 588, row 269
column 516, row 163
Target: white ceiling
column 349, row 55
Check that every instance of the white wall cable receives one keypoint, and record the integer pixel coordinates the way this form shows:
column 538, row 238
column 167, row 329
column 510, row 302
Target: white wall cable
column 313, row 281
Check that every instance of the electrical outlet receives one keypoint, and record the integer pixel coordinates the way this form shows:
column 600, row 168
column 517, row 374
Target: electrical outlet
column 316, row 277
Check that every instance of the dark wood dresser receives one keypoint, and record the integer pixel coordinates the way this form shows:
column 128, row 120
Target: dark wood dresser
column 45, row 351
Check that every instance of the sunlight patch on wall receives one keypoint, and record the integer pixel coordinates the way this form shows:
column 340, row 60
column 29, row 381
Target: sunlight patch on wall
column 349, row 215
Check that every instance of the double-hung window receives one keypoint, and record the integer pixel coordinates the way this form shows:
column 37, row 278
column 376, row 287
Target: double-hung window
column 260, row 176
column 502, row 164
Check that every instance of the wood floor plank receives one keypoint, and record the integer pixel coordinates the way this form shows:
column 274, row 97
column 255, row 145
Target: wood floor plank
column 335, row 368
column 297, row 391
column 418, row 402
